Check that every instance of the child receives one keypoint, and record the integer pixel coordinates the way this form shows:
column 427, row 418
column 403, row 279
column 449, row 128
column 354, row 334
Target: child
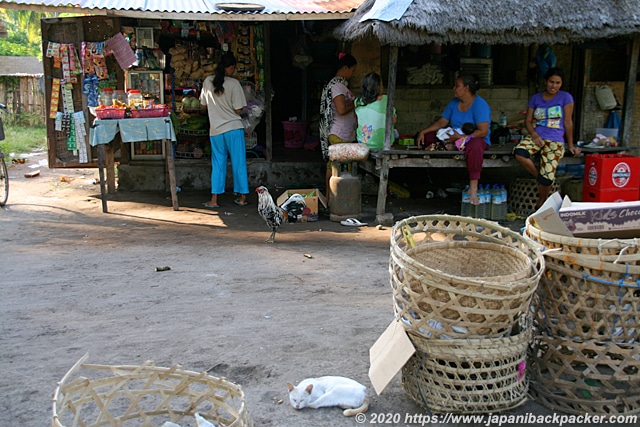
column 467, row 129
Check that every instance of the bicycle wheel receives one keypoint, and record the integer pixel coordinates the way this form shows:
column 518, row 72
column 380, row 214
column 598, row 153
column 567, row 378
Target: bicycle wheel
column 4, row 182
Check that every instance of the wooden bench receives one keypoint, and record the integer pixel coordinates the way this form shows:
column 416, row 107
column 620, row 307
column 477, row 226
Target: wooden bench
column 380, row 161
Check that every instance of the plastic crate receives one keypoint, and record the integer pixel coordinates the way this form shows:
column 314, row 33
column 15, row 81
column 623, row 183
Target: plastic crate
column 143, row 113
column 611, row 172
column 110, row 113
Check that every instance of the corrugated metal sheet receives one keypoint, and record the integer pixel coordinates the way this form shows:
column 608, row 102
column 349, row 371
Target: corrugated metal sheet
column 189, row 7
column 20, row 66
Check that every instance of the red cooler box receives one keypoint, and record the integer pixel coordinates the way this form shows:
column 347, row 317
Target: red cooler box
column 611, row 178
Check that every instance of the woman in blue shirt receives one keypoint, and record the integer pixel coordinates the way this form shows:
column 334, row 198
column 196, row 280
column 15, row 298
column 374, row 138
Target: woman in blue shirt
column 466, row 107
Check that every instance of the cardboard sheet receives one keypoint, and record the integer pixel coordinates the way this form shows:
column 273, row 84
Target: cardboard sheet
column 388, row 355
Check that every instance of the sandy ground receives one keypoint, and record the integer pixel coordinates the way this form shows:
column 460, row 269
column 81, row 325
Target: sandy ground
column 76, row 280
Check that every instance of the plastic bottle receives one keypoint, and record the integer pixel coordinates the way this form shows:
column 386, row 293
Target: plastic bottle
column 504, row 201
column 496, row 203
column 482, row 198
column 502, row 121
column 466, row 202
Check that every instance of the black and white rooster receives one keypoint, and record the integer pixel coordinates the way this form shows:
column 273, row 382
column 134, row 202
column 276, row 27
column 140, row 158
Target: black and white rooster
column 274, row 216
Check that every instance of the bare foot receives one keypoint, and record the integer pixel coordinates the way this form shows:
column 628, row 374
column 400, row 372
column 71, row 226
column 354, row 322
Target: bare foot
column 473, row 197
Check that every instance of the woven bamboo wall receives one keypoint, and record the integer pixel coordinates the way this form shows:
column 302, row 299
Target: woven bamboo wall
column 27, row 97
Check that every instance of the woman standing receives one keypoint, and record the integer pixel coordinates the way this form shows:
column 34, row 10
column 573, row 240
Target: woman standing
column 337, row 116
column 465, row 107
column 371, row 111
column 224, row 99
column 549, row 124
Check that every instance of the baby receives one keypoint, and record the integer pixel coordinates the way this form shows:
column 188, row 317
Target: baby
column 467, row 129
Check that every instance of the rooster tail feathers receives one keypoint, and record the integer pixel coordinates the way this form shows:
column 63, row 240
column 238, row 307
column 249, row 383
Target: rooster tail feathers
column 294, row 206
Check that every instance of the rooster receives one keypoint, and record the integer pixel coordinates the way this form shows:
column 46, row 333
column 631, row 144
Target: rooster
column 274, row 215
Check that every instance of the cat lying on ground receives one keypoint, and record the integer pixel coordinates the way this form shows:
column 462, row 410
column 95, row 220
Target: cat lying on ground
column 321, row 392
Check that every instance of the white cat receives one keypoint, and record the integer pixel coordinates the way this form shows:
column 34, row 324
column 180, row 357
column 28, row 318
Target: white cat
column 321, row 392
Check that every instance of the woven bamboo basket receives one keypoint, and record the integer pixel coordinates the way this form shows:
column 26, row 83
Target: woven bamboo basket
column 144, row 395
column 523, row 195
column 461, row 277
column 592, row 377
column 582, row 298
column 468, row 375
column 576, row 245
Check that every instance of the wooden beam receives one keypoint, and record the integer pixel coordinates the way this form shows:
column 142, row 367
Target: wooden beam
column 629, row 91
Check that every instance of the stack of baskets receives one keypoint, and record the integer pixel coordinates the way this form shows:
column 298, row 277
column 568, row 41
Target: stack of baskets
column 586, row 352
column 145, row 395
column 462, row 289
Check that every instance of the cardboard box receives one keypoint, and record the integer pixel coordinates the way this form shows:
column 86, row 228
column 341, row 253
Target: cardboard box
column 594, row 220
column 312, row 196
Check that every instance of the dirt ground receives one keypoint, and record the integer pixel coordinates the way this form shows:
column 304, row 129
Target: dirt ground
column 76, row 280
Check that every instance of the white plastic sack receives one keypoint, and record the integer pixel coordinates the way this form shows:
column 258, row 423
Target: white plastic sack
column 348, row 152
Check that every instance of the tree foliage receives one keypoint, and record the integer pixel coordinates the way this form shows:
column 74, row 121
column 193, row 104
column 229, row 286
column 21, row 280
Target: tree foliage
column 23, row 27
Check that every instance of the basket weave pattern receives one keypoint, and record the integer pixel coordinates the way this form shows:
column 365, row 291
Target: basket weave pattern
column 464, row 278
column 468, row 375
column 587, row 354
column 144, row 395
column 523, row 195
column 593, row 377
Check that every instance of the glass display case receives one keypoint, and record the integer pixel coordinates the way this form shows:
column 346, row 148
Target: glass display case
column 150, row 83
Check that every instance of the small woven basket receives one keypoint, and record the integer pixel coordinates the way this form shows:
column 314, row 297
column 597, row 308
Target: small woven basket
column 468, row 375
column 523, row 195
column 592, row 377
column 582, row 298
column 144, row 395
column 461, row 277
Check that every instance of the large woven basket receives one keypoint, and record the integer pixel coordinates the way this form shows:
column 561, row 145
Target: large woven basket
column 461, row 277
column 600, row 247
column 145, row 395
column 591, row 377
column 468, row 375
column 582, row 298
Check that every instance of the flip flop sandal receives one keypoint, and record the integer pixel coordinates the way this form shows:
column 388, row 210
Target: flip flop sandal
column 239, row 203
column 352, row 222
column 210, row 206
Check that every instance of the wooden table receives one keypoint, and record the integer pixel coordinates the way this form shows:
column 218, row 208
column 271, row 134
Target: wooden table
column 102, row 132
column 380, row 161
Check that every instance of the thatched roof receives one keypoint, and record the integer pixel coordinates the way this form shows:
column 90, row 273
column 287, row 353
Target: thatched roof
column 496, row 21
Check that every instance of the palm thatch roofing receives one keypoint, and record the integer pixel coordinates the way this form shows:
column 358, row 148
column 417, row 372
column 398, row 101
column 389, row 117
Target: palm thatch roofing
column 492, row 21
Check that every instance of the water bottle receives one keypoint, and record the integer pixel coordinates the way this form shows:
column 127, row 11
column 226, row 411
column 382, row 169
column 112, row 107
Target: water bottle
column 466, row 202
column 504, row 201
column 485, row 201
column 496, row 203
column 502, row 121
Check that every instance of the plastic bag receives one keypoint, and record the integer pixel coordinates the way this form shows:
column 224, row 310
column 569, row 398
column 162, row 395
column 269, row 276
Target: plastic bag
column 252, row 114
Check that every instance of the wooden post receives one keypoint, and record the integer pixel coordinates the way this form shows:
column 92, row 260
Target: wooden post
column 391, row 93
column 629, row 91
column 171, row 168
column 101, row 156
column 110, row 165
column 388, row 138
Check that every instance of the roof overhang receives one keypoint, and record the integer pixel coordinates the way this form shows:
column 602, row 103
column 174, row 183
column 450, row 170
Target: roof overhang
column 278, row 10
